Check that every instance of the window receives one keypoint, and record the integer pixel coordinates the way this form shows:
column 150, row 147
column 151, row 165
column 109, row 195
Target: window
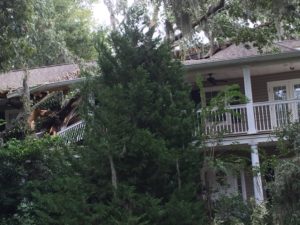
column 281, row 91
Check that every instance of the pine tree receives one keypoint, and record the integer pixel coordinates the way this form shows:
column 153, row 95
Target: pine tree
column 140, row 120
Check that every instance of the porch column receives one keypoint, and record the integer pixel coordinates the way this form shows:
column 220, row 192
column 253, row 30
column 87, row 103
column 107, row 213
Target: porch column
column 257, row 182
column 248, row 93
column 243, row 184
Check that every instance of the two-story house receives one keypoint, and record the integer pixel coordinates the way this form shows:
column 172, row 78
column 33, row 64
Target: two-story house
column 271, row 83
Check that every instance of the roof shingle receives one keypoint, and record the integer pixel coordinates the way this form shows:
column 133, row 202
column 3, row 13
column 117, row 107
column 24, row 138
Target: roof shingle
column 13, row 80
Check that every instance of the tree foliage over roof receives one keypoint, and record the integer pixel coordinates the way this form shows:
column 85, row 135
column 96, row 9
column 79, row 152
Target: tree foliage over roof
column 220, row 21
column 44, row 32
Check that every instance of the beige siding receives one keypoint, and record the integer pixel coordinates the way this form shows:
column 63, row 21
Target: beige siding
column 259, row 84
column 238, row 81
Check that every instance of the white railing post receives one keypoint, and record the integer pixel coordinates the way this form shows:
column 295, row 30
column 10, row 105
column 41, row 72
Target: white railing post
column 248, row 93
column 257, row 182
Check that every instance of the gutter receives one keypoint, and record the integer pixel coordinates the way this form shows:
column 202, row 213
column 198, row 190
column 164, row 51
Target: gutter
column 252, row 60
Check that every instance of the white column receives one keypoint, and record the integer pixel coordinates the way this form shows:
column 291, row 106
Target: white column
column 248, row 93
column 257, row 182
column 243, row 184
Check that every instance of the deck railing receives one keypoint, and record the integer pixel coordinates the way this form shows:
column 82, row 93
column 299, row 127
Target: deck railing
column 268, row 116
column 231, row 120
column 73, row 133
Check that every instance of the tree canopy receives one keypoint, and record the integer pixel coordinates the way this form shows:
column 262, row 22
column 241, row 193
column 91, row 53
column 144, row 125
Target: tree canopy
column 193, row 23
column 40, row 32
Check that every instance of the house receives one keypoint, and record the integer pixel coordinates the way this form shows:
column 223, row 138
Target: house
column 47, row 86
column 271, row 83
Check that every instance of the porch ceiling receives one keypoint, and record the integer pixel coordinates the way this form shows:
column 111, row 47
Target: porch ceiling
column 226, row 72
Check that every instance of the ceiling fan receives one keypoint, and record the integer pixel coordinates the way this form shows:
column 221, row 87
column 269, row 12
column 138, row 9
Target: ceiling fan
column 214, row 81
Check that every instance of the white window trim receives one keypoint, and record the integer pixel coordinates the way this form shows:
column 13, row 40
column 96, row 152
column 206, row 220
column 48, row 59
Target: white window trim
column 289, row 87
column 289, row 84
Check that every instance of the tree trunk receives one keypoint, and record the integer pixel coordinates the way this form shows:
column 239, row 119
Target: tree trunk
column 114, row 181
column 208, row 194
column 279, row 28
column 111, row 8
column 154, row 19
column 178, row 174
column 26, row 101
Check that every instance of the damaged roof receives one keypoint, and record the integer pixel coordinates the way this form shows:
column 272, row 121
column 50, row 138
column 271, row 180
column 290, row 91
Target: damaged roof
column 12, row 80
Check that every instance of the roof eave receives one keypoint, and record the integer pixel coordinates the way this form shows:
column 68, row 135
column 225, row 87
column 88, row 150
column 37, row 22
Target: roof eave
column 253, row 60
column 45, row 87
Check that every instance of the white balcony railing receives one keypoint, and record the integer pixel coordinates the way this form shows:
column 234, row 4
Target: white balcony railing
column 268, row 116
column 73, row 133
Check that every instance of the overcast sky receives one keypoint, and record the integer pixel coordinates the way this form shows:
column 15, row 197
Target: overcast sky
column 101, row 14
column 101, row 17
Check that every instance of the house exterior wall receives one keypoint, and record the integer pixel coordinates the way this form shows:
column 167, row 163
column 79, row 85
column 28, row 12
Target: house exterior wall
column 238, row 81
column 259, row 84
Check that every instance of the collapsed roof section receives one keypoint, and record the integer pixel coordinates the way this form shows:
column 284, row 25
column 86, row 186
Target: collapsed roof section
column 54, row 107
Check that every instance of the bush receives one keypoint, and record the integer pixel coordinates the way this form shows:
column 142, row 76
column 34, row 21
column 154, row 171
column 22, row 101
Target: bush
column 22, row 164
column 286, row 192
column 232, row 210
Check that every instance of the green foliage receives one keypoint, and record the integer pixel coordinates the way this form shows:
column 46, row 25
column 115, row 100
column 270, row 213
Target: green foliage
column 23, row 162
column 284, row 188
column 261, row 215
column 14, row 16
column 142, row 117
column 240, row 21
column 143, row 104
column 285, row 192
column 2, row 122
column 74, row 19
column 40, row 32
column 61, row 200
column 183, row 208
column 289, row 139
column 232, row 210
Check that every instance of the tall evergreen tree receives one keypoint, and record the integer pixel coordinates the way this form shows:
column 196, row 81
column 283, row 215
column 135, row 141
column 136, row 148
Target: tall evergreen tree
column 140, row 121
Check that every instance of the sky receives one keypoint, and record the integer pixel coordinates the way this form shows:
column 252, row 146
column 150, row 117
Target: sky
column 101, row 17
column 101, row 14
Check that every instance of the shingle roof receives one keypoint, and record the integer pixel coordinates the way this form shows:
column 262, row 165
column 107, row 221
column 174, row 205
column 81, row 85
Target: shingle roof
column 13, row 80
column 243, row 51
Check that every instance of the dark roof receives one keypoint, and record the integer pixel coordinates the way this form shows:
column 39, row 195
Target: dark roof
column 12, row 80
column 247, row 50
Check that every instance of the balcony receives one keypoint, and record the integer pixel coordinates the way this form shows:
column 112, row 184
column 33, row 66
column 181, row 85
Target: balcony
column 266, row 118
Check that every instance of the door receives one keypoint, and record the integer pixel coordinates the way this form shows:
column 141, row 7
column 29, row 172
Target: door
column 283, row 109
